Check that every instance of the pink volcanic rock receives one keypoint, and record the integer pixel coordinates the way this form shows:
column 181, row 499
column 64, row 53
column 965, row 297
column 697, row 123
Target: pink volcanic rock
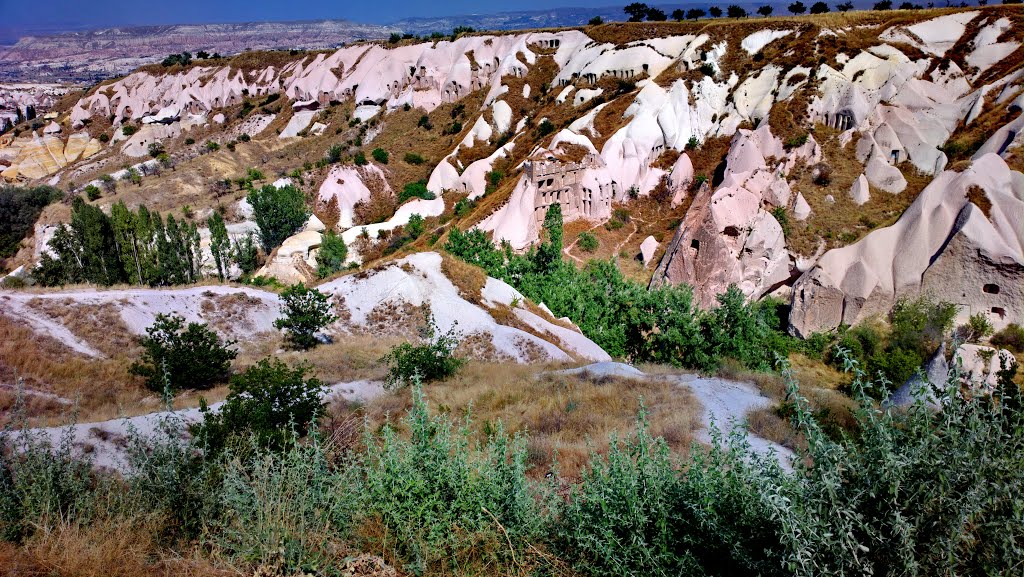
column 860, row 191
column 943, row 245
column 729, row 236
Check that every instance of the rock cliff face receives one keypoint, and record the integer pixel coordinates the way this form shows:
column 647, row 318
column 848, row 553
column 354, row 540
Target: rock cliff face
column 945, row 245
column 736, row 127
column 729, row 236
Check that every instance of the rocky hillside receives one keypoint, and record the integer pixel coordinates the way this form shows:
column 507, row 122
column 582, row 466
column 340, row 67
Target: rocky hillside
column 840, row 161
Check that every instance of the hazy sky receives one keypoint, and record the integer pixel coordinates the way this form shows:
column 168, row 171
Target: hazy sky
column 79, row 13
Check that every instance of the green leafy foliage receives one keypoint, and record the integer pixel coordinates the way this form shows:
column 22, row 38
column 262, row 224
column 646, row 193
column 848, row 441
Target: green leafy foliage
column 380, row 155
column 1011, row 337
column 270, row 405
column 220, row 245
column 414, row 228
column 245, row 253
column 305, row 311
column 124, row 247
column 183, row 357
column 625, row 318
column 332, row 255
column 432, row 360
column 587, row 241
column 278, row 212
column 413, row 158
column 423, row 486
column 19, row 209
column 416, row 189
column 917, row 328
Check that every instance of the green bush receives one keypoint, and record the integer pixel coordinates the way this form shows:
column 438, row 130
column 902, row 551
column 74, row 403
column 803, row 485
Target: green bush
column 432, row 360
column 43, row 486
column 414, row 228
column 128, row 130
column 305, row 311
column 638, row 512
column 245, row 254
column 286, row 510
column 415, row 190
column 360, row 159
column 269, row 405
column 380, row 155
column 20, row 207
column 332, row 255
column 442, row 497
column 278, row 212
column 545, row 128
column 183, row 357
column 463, row 207
column 170, row 476
column 1011, row 337
column 625, row 318
column 587, row 241
column 413, row 158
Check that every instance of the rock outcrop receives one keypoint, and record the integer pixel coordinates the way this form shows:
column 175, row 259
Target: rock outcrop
column 729, row 236
column 960, row 241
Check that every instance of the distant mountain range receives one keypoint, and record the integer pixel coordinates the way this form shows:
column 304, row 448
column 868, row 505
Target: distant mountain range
column 85, row 56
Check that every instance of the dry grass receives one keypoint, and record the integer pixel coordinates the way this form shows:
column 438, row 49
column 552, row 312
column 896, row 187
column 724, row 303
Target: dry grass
column 99, row 387
column 565, row 416
column 105, row 548
column 819, row 384
column 98, row 325
column 469, row 279
column 842, row 222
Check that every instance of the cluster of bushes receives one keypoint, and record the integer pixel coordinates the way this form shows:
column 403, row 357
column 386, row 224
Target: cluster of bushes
column 19, row 209
column 135, row 247
column 431, row 496
column 916, row 329
column 279, row 212
column 661, row 325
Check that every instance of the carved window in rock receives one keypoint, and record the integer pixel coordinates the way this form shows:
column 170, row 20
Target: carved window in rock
column 999, row 312
column 990, row 288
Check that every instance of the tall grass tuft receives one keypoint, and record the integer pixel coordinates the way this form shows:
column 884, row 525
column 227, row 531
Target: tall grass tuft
column 444, row 501
column 285, row 511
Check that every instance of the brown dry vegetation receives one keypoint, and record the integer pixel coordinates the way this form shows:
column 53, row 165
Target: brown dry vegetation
column 842, row 222
column 97, row 387
column 98, row 325
column 564, row 415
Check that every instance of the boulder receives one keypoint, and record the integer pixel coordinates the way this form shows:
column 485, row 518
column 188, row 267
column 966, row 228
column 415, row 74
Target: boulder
column 647, row 248
column 980, row 365
column 860, row 191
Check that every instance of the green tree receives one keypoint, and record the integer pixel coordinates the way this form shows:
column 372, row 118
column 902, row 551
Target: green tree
column 19, row 209
column 305, row 311
column 332, row 254
column 245, row 253
column 550, row 252
column 765, row 10
column 270, row 402
column 181, row 356
column 278, row 212
column 636, row 11
column 414, row 228
column 797, row 7
column 380, row 155
column 220, row 245
column 432, row 360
